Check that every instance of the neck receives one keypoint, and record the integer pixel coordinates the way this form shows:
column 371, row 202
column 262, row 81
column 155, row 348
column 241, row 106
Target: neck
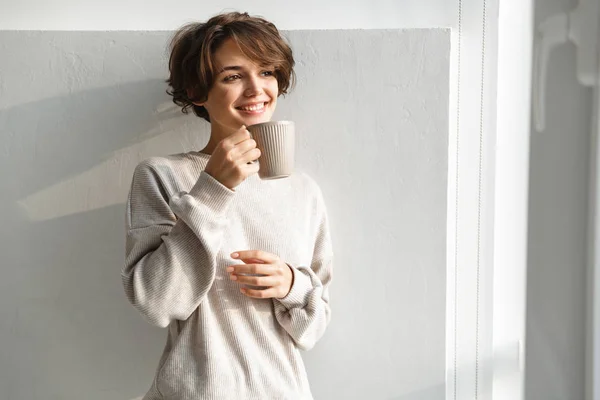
column 217, row 133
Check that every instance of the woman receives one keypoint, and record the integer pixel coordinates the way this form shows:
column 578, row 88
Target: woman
column 237, row 268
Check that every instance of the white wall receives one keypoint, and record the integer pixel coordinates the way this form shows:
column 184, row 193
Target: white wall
column 162, row 15
column 81, row 109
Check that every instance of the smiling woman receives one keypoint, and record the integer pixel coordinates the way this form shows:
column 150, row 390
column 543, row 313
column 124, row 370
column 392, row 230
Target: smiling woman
column 235, row 330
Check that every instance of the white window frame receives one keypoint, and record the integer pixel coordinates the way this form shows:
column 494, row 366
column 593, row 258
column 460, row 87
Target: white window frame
column 488, row 196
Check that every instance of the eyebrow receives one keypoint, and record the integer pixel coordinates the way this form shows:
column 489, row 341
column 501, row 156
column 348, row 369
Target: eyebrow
column 230, row 68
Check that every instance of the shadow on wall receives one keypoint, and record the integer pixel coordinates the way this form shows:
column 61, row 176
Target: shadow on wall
column 69, row 324
column 68, row 135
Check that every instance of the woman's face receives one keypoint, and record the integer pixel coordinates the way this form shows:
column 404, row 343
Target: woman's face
column 243, row 93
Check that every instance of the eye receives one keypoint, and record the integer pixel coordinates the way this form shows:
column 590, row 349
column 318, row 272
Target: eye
column 269, row 73
column 231, row 77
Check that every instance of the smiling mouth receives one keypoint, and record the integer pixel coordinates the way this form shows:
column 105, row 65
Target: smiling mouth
column 253, row 108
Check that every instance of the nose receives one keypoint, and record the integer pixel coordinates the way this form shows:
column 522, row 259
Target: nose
column 253, row 87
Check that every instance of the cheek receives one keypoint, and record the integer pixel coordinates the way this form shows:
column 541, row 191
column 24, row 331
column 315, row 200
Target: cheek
column 273, row 92
column 221, row 99
column 227, row 97
column 275, row 89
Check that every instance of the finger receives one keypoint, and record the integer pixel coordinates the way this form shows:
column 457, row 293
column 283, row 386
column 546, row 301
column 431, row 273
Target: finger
column 267, row 281
column 259, row 294
column 252, row 261
column 239, row 136
column 239, row 151
column 258, row 254
column 251, row 168
column 251, row 155
column 231, row 267
column 262, row 269
column 243, row 147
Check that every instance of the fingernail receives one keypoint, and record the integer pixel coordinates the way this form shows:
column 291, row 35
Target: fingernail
column 229, row 269
column 234, row 255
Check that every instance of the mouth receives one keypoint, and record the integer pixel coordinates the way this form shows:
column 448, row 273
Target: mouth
column 253, row 109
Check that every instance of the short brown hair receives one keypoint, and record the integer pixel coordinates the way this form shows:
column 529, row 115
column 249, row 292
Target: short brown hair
column 191, row 63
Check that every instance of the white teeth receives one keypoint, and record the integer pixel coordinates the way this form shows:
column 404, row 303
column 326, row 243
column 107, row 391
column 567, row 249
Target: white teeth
column 254, row 107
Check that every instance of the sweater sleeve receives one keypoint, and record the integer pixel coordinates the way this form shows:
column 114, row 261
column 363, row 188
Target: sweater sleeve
column 171, row 244
column 305, row 312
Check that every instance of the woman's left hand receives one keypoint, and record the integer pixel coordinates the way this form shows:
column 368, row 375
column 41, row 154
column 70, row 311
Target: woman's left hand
column 278, row 276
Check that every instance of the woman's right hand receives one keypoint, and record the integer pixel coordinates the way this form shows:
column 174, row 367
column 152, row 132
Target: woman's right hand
column 231, row 161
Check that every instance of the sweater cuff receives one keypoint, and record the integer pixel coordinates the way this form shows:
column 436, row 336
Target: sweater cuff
column 211, row 193
column 300, row 291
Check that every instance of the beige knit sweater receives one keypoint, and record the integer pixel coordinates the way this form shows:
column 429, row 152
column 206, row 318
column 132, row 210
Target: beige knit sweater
column 182, row 226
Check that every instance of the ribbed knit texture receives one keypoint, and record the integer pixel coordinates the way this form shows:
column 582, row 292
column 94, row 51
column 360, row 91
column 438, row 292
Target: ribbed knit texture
column 182, row 226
